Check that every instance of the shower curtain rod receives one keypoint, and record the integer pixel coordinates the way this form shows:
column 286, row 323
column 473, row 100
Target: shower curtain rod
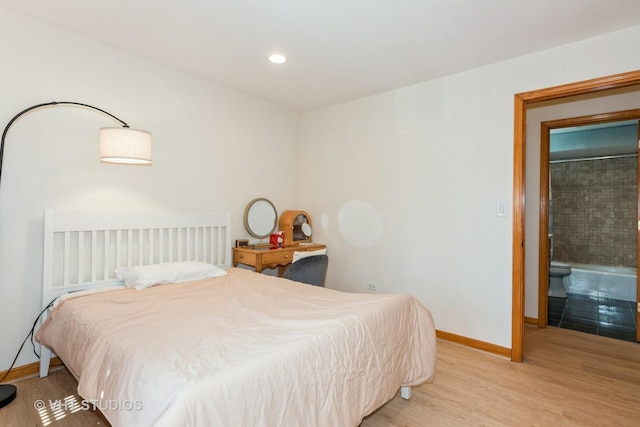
column 584, row 159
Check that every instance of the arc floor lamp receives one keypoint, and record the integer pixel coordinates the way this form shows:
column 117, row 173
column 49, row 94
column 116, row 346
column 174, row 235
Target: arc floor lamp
column 117, row 145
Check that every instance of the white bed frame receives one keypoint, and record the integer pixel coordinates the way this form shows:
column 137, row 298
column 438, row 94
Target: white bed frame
column 82, row 249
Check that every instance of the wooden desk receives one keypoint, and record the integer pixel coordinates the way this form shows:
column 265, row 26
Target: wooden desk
column 261, row 258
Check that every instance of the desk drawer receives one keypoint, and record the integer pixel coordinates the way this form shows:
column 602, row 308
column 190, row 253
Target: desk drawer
column 244, row 258
column 277, row 257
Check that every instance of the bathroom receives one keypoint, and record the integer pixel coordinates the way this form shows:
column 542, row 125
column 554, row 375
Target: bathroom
column 593, row 208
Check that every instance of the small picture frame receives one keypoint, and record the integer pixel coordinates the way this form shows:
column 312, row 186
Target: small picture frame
column 242, row 243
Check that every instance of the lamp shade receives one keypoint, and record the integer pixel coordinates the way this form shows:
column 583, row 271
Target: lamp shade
column 125, row 145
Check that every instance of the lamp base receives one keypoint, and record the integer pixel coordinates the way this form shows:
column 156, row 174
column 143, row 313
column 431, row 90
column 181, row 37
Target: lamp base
column 7, row 394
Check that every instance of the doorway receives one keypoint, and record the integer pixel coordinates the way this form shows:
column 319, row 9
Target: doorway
column 521, row 102
column 600, row 311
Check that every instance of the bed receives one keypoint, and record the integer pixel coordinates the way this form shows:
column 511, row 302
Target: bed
column 237, row 349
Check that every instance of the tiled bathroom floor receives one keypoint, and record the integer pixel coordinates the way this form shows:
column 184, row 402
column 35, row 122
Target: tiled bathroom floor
column 594, row 315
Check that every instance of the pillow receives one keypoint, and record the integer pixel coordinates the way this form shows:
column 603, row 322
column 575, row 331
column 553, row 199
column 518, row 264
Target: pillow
column 144, row 276
column 297, row 255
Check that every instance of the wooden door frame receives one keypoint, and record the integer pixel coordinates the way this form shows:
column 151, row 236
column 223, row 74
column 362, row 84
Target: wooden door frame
column 638, row 247
column 543, row 235
column 521, row 101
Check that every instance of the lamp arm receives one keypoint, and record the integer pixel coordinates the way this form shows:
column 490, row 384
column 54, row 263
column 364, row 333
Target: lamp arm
column 47, row 104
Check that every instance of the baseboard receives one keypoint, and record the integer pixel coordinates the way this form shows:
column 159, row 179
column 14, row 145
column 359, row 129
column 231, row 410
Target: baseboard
column 29, row 370
column 470, row 342
column 530, row 321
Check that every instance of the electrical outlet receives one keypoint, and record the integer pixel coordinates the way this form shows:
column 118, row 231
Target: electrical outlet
column 371, row 286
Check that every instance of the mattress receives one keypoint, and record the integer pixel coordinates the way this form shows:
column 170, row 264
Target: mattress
column 244, row 349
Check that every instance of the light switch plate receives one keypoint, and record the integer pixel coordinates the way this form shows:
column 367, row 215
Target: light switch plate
column 501, row 209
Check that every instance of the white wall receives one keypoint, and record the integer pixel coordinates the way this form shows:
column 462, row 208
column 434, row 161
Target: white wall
column 408, row 182
column 210, row 150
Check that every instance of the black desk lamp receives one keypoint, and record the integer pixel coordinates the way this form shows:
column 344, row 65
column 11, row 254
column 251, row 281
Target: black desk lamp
column 117, row 145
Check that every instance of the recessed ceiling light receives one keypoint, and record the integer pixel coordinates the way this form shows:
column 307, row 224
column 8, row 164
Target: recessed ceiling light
column 276, row 58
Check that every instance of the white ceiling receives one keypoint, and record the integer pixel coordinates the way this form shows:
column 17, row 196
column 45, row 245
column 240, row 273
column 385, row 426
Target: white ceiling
column 339, row 50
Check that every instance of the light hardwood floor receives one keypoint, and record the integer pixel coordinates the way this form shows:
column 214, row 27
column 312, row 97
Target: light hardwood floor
column 567, row 379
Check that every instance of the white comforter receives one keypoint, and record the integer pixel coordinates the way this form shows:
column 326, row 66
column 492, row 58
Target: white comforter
column 241, row 350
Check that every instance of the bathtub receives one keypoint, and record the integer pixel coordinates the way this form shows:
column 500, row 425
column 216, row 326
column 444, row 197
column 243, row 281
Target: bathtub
column 603, row 281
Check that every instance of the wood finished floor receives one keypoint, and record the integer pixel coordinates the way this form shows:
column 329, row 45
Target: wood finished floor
column 568, row 378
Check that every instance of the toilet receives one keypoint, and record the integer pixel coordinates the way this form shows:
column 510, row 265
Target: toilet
column 557, row 272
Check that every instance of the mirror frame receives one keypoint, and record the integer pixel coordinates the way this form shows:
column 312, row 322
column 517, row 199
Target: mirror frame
column 247, row 212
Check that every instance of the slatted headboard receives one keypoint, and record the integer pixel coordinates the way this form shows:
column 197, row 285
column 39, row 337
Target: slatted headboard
column 82, row 249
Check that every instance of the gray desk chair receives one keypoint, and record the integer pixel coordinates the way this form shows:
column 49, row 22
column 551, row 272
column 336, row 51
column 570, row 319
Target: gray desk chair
column 311, row 270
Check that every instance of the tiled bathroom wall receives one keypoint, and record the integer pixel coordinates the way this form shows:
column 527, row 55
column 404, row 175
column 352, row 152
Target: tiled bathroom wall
column 595, row 211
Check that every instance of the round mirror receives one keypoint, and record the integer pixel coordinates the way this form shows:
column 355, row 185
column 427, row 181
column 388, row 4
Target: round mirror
column 260, row 218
